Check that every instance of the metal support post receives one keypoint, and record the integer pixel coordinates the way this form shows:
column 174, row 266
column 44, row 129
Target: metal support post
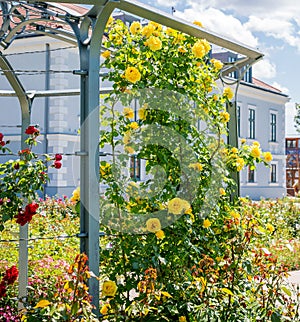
column 89, row 143
column 25, row 104
column 233, row 141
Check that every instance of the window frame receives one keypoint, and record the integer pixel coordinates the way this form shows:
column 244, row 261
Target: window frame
column 273, row 126
column 251, row 122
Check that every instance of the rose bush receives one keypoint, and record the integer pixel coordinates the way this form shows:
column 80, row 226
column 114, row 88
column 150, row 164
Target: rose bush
column 181, row 249
column 177, row 247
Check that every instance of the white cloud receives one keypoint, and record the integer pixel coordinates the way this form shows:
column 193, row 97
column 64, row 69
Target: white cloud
column 264, row 69
column 167, row 3
column 218, row 22
column 275, row 27
column 283, row 89
column 260, row 8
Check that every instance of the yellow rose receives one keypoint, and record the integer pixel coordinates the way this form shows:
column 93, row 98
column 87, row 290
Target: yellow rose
column 75, row 195
column 255, row 143
column 171, row 32
column 206, row 223
column 225, row 116
column 154, row 43
column 268, row 156
column 228, row 93
column 178, row 206
column 234, row 150
column 240, row 163
column 142, row 113
column 270, row 228
column 126, row 138
column 235, row 214
column 156, row 25
column 135, row 27
column 243, row 141
column 198, row 23
column 109, row 21
column 222, row 191
column 160, row 234
column 206, row 45
column 109, row 288
column 182, row 319
column 148, row 30
column 134, row 125
column 132, row 74
column 198, row 49
column 106, row 54
column 153, row 225
column 196, row 166
column 217, row 63
column 255, row 151
column 128, row 112
column 105, row 308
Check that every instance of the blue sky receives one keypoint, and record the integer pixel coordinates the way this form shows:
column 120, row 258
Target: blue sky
column 271, row 26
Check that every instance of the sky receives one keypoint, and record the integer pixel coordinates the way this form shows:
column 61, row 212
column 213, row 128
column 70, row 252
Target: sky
column 272, row 27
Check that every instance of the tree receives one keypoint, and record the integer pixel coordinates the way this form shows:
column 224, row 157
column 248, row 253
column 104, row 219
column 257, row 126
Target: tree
column 297, row 117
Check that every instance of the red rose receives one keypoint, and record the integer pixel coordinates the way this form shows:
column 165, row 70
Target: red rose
column 17, row 166
column 58, row 157
column 32, row 207
column 1, row 136
column 32, row 130
column 2, row 290
column 2, row 143
column 11, row 275
column 23, row 217
column 57, row 164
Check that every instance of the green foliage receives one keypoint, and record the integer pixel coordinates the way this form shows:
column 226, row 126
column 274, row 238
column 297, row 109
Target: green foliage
column 297, row 117
column 20, row 180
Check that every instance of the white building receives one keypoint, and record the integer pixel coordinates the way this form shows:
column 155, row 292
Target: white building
column 261, row 116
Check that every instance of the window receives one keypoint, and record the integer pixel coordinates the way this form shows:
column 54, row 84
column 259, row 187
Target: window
column 238, row 112
column 135, row 168
column 251, row 120
column 273, row 173
column 248, row 75
column 232, row 59
column 290, row 143
column 273, row 127
column 251, row 175
column 135, row 109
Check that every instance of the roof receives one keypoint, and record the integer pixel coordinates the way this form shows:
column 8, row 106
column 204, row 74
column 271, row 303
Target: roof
column 258, row 84
column 262, row 84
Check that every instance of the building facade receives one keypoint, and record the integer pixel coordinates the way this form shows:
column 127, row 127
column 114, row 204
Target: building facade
column 260, row 110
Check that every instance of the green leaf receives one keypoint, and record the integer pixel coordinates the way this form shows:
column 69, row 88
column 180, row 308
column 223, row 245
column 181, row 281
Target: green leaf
column 275, row 317
column 286, row 291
